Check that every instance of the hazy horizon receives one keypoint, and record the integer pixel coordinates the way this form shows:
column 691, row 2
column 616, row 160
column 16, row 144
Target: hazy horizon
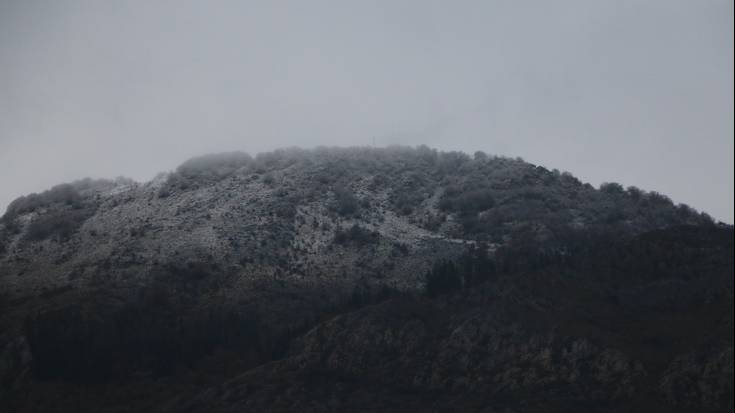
column 639, row 93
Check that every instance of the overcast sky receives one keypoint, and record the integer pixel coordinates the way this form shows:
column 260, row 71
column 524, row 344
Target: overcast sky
column 638, row 92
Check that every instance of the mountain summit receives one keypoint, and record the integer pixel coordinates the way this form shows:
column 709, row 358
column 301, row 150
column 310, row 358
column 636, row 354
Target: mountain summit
column 363, row 279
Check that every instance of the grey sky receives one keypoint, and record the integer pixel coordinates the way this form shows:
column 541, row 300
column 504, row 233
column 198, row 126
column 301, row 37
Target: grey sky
column 638, row 92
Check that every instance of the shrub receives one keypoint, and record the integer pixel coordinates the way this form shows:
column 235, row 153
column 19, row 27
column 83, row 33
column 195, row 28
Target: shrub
column 214, row 165
column 345, row 202
column 356, row 235
column 656, row 198
column 11, row 224
column 269, row 179
column 475, row 201
column 612, row 188
column 467, row 201
column 204, row 170
column 64, row 194
column 61, row 224
column 635, row 193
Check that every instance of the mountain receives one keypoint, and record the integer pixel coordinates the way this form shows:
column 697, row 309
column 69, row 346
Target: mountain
column 363, row 279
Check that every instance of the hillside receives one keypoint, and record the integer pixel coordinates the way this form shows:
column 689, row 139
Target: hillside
column 610, row 335
column 303, row 279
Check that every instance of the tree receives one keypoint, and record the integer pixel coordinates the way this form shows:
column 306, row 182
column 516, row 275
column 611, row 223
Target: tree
column 444, row 278
column 345, row 201
column 611, row 188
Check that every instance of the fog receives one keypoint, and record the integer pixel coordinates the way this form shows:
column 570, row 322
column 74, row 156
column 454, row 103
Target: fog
column 637, row 92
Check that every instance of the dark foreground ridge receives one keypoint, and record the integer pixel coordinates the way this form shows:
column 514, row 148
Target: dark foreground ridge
column 363, row 279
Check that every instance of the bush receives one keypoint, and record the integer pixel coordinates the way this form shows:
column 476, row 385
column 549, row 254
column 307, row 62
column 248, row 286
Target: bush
column 467, row 201
column 11, row 225
column 64, row 194
column 406, row 201
column 612, row 188
column 204, row 170
column 475, row 201
column 59, row 224
column 215, row 165
column 356, row 235
column 635, row 193
column 269, row 179
column 345, row 202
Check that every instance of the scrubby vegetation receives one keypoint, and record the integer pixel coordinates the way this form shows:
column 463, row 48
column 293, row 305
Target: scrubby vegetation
column 204, row 170
column 356, row 236
column 214, row 166
column 60, row 210
column 492, row 198
column 345, row 202
column 399, row 276
column 60, row 225
column 65, row 195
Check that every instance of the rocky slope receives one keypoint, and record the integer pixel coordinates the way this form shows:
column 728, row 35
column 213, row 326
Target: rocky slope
column 296, row 280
